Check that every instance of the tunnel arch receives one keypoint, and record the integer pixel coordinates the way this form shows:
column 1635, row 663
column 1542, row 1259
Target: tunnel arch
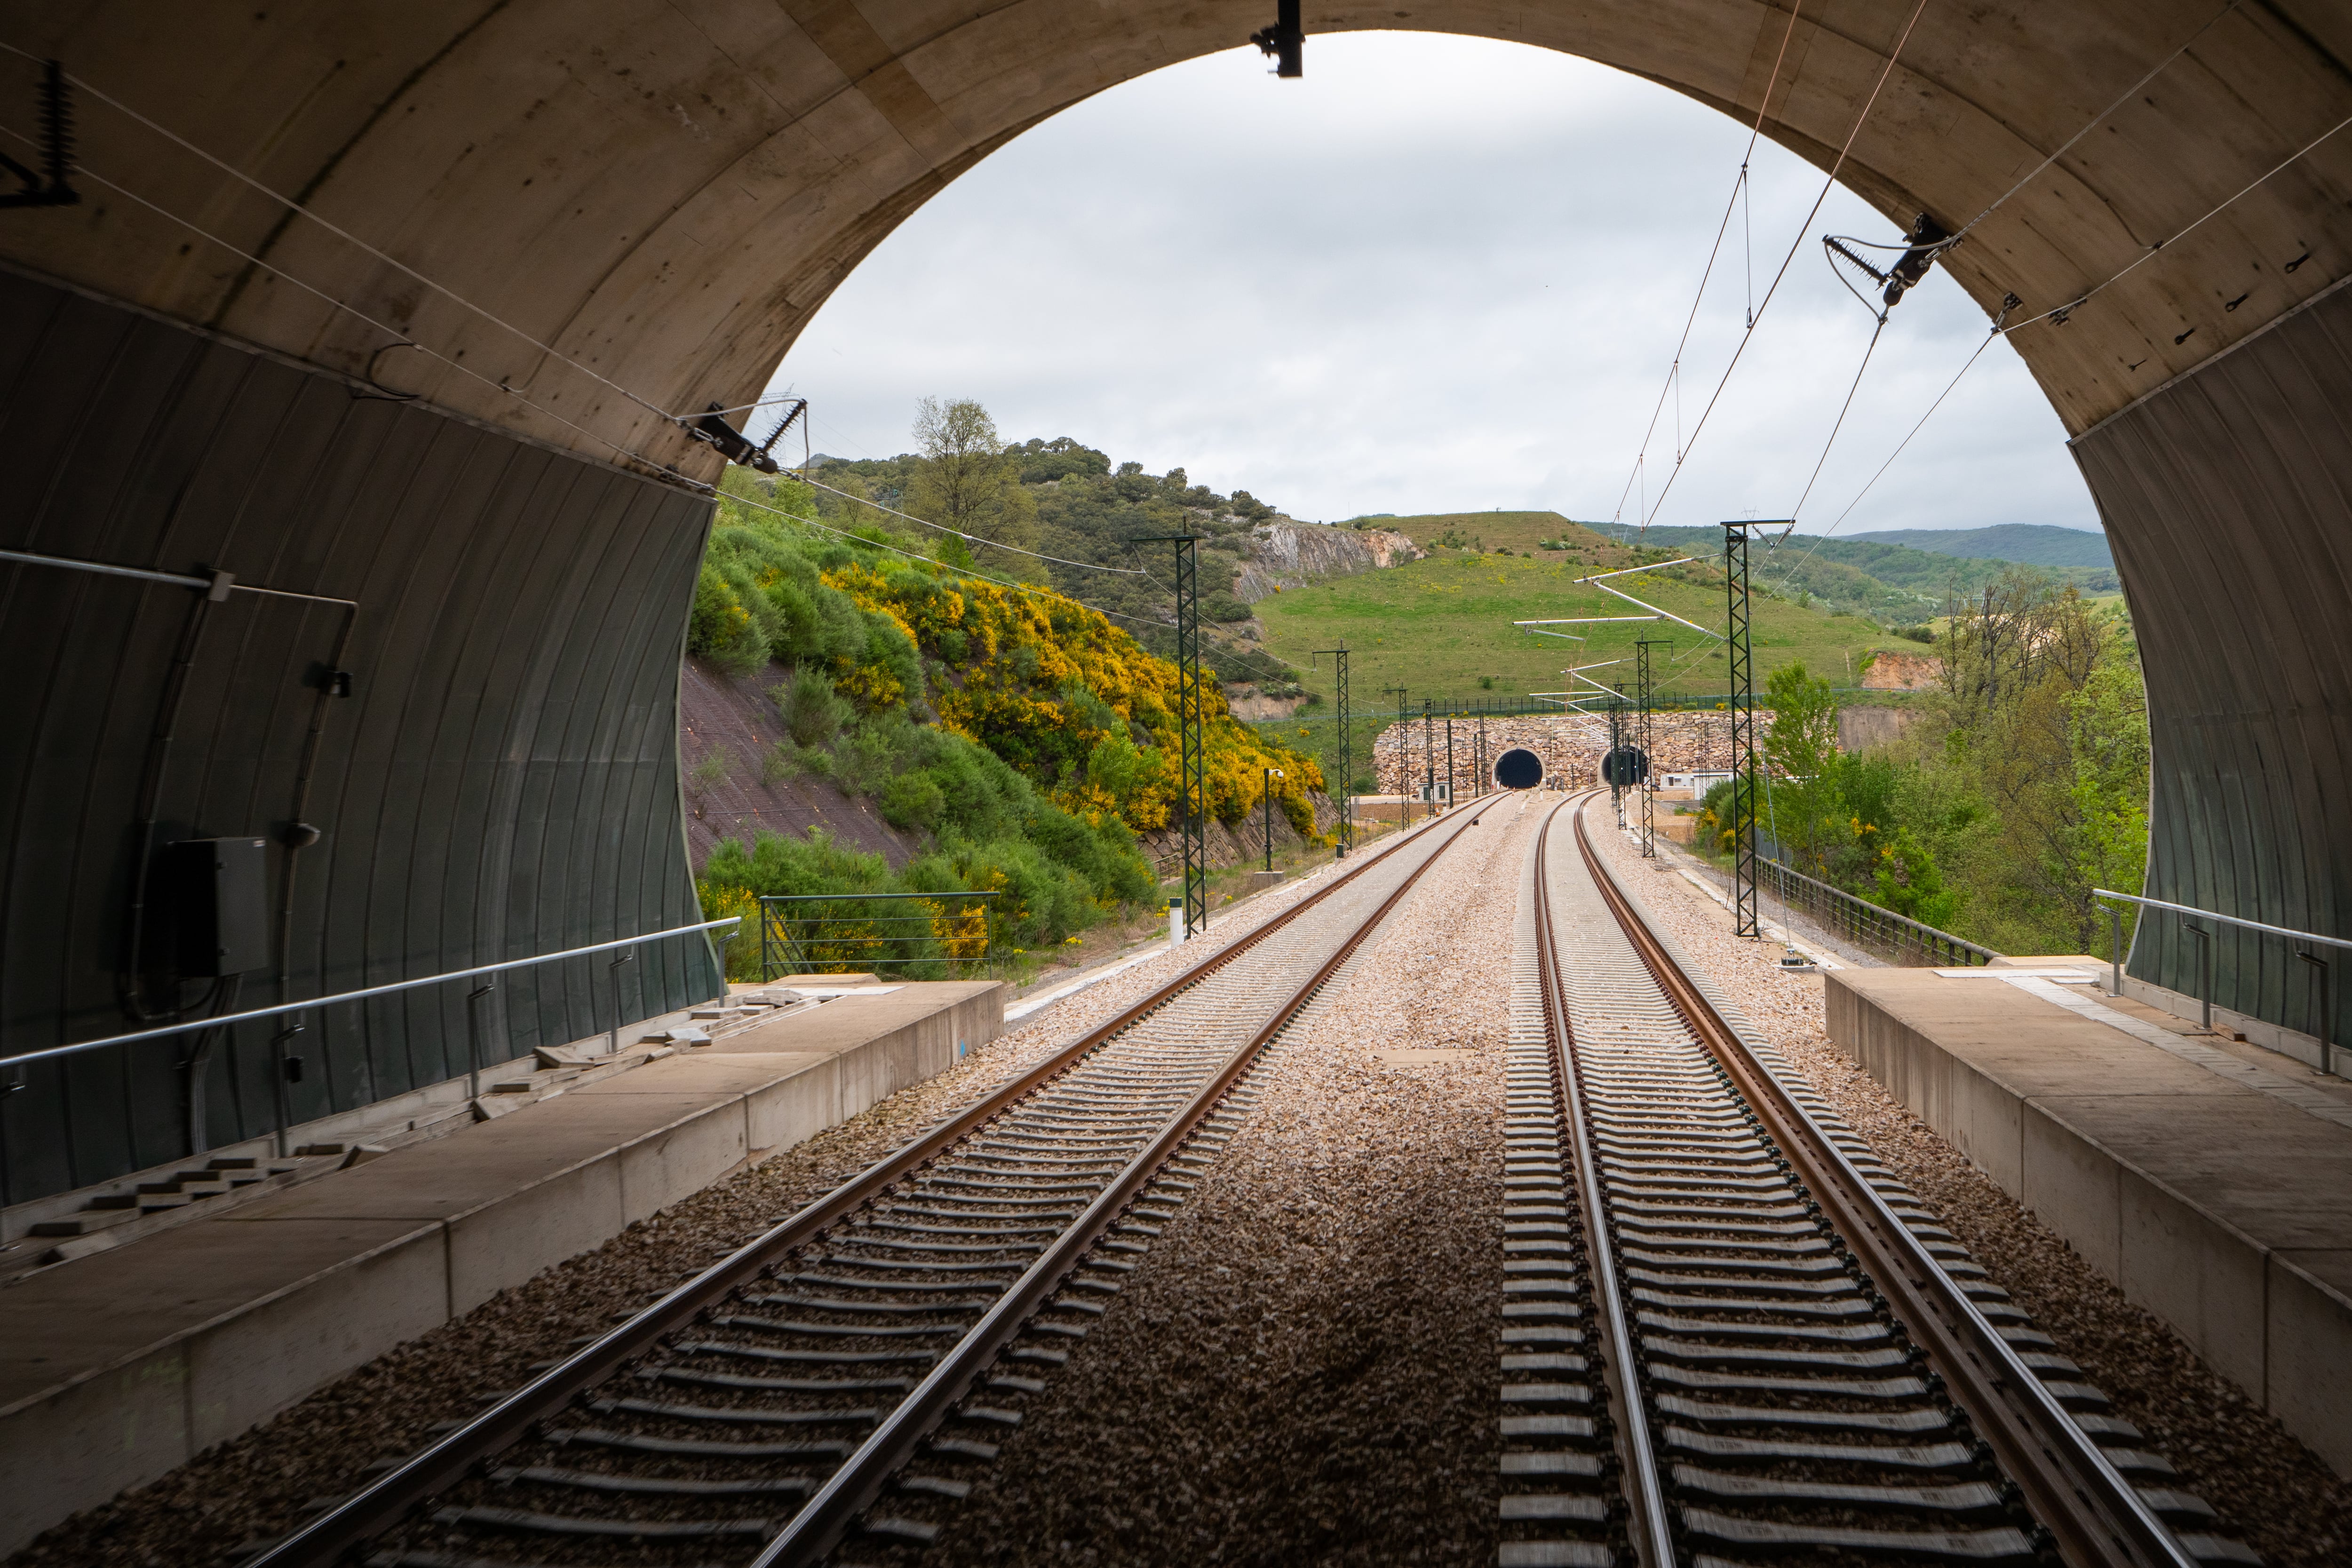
column 598, row 215
column 1518, row 768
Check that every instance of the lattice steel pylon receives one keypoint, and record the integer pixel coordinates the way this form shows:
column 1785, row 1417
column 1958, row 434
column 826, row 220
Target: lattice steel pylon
column 1346, row 762
column 1743, row 733
column 1649, row 697
column 1428, row 759
column 1620, row 765
column 1192, row 770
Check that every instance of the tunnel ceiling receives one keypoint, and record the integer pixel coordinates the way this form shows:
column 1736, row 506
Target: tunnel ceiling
column 665, row 194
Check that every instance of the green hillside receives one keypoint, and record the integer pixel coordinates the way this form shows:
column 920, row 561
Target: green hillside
column 2027, row 544
column 1518, row 530
column 1439, row 628
column 1873, row 575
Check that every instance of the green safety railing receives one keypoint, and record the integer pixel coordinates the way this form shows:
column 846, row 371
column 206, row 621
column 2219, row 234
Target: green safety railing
column 1870, row 925
column 839, row 933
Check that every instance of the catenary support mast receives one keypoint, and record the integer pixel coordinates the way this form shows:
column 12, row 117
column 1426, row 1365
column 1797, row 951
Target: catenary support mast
column 1194, row 766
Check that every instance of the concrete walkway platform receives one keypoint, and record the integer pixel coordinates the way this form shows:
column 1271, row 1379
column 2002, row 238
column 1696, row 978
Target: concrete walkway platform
column 117, row 1367
column 2209, row 1178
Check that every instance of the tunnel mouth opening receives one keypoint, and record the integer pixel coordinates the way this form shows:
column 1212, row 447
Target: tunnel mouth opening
column 1518, row 768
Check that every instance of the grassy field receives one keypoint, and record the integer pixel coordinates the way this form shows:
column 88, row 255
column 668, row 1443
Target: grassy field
column 1442, row 628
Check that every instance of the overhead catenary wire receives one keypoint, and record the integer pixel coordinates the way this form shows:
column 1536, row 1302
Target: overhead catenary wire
column 1843, row 409
column 1828, row 184
column 2060, row 312
column 2089, row 126
column 401, row 340
column 1740, row 185
column 1276, row 667
column 1993, row 206
column 345, row 234
column 2000, row 325
column 1982, row 344
column 398, row 338
column 1018, row 586
column 970, row 538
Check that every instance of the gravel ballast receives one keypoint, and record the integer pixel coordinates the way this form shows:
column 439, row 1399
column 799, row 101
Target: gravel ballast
column 258, row 1485
column 2283, row 1498
column 1304, row 1369
column 1304, row 1366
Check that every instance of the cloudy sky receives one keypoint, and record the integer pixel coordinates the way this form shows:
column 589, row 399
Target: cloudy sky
column 1437, row 274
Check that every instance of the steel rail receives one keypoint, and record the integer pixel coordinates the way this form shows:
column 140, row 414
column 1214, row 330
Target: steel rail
column 384, row 1502
column 2094, row 1516
column 1652, row 1526
column 829, row 1516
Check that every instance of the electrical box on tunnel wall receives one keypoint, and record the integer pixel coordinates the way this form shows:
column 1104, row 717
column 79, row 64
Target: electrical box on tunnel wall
column 218, row 901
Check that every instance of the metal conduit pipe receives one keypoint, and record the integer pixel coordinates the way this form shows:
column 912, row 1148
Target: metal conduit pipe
column 214, row 587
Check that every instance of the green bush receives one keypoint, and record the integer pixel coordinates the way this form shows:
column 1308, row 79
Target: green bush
column 856, row 704
column 814, row 712
column 913, row 800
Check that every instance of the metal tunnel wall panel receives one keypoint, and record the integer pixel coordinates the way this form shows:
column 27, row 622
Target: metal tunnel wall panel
column 2228, row 498
column 502, row 782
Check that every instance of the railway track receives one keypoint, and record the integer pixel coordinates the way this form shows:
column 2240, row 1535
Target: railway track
column 838, row 1379
column 1730, row 1334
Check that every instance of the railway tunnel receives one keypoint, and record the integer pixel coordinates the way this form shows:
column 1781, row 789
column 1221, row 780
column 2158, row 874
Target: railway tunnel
column 403, row 316
column 408, row 309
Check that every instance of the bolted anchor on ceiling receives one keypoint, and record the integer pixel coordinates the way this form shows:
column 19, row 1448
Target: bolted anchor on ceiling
column 1928, row 240
column 56, row 136
column 732, row 444
column 1286, row 40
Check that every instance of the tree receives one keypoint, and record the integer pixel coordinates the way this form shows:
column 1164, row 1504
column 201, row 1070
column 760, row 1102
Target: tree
column 967, row 482
column 2043, row 728
column 1802, row 737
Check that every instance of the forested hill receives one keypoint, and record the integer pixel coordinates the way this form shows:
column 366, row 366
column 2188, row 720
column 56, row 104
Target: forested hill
column 2027, row 544
column 1073, row 502
column 1017, row 740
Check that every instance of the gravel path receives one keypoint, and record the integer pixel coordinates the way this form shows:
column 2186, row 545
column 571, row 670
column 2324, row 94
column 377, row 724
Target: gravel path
column 1304, row 1371
column 256, row 1485
column 2266, row 1485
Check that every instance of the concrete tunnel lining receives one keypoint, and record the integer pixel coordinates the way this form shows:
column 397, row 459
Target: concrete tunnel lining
column 664, row 206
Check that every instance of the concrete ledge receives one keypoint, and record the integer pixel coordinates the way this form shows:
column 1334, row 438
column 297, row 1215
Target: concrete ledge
column 2225, row 1210
column 116, row 1368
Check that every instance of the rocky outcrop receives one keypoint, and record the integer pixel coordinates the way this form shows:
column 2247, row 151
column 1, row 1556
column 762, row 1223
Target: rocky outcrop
column 1860, row 728
column 1891, row 671
column 1248, row 704
column 727, row 724
column 1286, row 554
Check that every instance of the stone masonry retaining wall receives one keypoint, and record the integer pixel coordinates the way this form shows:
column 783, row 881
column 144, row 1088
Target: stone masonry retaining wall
column 1571, row 745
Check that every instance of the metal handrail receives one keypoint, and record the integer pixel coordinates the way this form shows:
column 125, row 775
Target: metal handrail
column 838, row 897
column 1926, row 938
column 783, row 950
column 2325, row 1031
column 192, row 1025
column 2225, row 919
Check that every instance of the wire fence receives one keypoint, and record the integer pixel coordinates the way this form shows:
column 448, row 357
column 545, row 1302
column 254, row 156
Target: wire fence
column 1515, row 707
column 911, row 936
column 1870, row 925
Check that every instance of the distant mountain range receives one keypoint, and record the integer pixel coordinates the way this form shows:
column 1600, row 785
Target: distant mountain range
column 2027, row 544
column 1898, row 576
